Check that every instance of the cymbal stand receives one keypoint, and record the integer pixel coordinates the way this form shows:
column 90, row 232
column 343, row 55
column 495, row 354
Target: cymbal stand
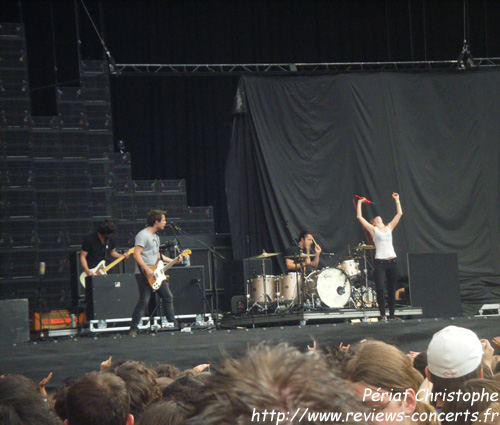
column 256, row 303
column 298, row 273
column 365, row 270
column 265, row 294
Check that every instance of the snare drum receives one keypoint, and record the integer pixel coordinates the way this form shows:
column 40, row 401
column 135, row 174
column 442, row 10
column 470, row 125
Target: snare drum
column 263, row 289
column 350, row 267
column 287, row 286
column 332, row 286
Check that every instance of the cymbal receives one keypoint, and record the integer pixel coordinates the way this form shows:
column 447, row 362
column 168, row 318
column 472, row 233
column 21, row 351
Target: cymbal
column 363, row 246
column 264, row 255
column 301, row 256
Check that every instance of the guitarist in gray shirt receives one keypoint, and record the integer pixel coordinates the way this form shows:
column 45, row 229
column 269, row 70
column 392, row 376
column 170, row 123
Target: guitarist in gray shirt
column 146, row 254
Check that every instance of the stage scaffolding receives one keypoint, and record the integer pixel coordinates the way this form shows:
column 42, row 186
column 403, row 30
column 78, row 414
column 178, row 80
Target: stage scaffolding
column 297, row 68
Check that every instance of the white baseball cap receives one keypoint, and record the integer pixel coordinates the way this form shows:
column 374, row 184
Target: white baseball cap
column 454, row 352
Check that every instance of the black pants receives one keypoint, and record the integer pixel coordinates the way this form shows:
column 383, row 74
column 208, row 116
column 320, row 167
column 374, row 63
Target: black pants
column 386, row 269
column 145, row 292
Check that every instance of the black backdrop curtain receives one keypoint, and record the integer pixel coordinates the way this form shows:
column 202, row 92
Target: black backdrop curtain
column 303, row 146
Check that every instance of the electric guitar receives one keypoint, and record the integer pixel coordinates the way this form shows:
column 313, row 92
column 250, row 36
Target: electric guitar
column 101, row 269
column 160, row 268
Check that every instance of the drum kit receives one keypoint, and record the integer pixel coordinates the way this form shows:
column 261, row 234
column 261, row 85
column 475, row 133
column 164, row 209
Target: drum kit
column 332, row 287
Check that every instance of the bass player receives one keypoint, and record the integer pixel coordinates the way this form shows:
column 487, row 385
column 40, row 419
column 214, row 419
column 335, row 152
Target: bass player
column 147, row 254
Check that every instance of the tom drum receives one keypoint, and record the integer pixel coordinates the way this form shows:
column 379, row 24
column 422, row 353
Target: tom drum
column 350, row 267
column 287, row 286
column 263, row 289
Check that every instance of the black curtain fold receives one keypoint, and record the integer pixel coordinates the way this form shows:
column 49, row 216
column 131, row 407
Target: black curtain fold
column 306, row 145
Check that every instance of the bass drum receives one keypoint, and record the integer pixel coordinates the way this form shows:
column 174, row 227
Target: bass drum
column 332, row 286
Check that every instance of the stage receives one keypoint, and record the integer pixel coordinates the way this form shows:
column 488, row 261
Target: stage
column 313, row 316
column 71, row 357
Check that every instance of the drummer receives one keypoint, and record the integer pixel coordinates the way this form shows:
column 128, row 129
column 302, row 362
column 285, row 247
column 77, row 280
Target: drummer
column 303, row 257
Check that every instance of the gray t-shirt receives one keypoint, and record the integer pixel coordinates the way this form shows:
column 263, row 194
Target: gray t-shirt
column 151, row 244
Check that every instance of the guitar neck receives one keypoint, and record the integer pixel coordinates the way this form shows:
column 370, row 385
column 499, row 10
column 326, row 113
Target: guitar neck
column 176, row 259
column 171, row 264
column 118, row 260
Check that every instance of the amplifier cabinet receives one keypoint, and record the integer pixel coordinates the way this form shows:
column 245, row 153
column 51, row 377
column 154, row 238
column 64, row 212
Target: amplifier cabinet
column 14, row 317
column 111, row 296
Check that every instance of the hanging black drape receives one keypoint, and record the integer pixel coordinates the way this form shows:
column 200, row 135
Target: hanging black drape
column 303, row 146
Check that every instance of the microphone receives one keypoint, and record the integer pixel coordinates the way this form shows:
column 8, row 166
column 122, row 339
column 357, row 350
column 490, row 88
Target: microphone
column 173, row 225
column 193, row 281
column 366, row 200
column 42, row 269
column 168, row 244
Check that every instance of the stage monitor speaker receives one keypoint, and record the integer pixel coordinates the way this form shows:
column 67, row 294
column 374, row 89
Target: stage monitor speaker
column 112, row 296
column 434, row 284
column 238, row 304
column 185, row 284
column 14, row 317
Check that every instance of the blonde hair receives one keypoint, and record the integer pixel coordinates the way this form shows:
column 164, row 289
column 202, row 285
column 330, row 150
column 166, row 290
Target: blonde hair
column 378, row 364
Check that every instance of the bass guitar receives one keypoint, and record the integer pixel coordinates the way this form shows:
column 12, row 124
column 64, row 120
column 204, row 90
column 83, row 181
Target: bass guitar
column 160, row 268
column 102, row 269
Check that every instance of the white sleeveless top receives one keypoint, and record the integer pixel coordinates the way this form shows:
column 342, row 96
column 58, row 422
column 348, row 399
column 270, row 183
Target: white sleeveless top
column 383, row 244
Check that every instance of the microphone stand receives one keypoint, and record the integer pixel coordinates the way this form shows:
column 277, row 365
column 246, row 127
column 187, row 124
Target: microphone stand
column 39, row 299
column 207, row 304
column 215, row 317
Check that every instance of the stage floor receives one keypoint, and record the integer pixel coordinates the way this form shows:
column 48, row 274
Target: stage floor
column 72, row 357
column 313, row 316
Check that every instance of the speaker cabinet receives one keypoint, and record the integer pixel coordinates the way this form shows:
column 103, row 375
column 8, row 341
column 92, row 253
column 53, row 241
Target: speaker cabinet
column 187, row 286
column 77, row 289
column 434, row 284
column 14, row 317
column 219, row 265
column 233, row 281
column 203, row 257
column 111, row 296
column 254, row 268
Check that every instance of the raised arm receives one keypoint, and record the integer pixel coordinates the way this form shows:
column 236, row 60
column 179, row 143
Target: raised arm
column 399, row 212
column 362, row 220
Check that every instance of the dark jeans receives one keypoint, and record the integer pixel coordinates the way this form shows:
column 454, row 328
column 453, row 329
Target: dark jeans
column 145, row 292
column 386, row 269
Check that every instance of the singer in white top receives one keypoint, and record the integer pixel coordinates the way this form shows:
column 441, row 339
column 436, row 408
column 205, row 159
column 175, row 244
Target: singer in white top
column 385, row 256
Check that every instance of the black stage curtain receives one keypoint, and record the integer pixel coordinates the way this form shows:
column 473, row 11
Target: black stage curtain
column 303, row 146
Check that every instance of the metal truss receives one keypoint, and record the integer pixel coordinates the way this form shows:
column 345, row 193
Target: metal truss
column 297, row 68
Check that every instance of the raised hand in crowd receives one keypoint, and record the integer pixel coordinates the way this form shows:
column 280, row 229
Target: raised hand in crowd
column 43, row 383
column 200, row 368
column 496, row 342
column 106, row 364
column 343, row 347
column 314, row 347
